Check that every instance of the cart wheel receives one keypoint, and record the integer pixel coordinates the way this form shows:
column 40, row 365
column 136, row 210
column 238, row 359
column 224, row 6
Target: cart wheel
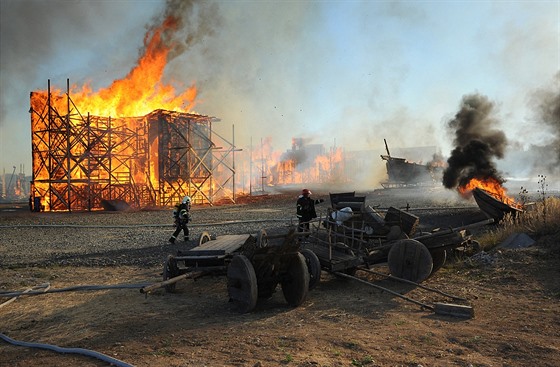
column 242, row 284
column 262, row 240
column 204, row 237
column 313, row 267
column 170, row 270
column 438, row 258
column 295, row 283
column 410, row 260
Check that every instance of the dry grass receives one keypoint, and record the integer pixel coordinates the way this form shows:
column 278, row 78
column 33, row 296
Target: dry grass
column 541, row 219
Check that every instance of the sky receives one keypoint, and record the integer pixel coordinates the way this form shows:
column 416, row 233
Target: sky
column 344, row 73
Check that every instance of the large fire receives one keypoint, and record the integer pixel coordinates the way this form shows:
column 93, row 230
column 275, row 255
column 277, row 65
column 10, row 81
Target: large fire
column 491, row 186
column 143, row 89
column 113, row 146
column 303, row 164
column 105, row 138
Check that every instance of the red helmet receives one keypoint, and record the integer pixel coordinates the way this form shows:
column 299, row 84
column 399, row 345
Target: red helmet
column 305, row 192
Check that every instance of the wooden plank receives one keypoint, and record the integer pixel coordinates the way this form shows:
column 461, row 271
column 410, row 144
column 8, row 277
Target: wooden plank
column 226, row 243
column 407, row 221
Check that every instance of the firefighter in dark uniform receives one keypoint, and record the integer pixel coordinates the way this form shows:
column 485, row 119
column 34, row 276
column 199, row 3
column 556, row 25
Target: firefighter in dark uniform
column 182, row 216
column 305, row 210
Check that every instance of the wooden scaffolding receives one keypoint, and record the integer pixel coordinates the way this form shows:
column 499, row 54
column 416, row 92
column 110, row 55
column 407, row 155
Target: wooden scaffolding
column 81, row 161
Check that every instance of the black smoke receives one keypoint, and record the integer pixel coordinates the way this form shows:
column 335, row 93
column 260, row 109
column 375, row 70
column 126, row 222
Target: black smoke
column 188, row 23
column 477, row 143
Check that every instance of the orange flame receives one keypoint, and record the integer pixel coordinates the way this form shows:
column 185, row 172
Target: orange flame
column 142, row 90
column 322, row 168
column 491, row 186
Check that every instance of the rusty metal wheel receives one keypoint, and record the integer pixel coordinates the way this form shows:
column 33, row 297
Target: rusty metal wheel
column 204, row 237
column 242, row 284
column 410, row 260
column 313, row 267
column 170, row 270
column 295, row 283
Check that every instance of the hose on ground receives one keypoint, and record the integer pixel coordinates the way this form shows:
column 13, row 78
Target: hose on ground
column 227, row 222
column 80, row 351
column 72, row 289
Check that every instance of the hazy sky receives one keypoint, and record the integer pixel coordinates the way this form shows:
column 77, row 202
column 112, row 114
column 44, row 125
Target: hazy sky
column 350, row 72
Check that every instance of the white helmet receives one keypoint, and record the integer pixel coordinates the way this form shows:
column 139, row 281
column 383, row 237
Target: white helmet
column 187, row 200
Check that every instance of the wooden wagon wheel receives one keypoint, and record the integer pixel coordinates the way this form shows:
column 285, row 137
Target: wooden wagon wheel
column 438, row 258
column 295, row 283
column 242, row 284
column 204, row 237
column 313, row 267
column 170, row 270
column 411, row 260
column 262, row 240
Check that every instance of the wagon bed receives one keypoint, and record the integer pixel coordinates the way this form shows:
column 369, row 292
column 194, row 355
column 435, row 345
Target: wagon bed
column 214, row 251
column 254, row 265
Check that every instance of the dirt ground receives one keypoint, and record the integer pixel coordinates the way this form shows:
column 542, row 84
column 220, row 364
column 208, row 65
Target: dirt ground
column 515, row 295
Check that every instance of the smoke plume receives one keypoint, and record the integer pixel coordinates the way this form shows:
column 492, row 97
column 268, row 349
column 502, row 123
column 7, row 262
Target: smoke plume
column 187, row 23
column 548, row 109
column 476, row 143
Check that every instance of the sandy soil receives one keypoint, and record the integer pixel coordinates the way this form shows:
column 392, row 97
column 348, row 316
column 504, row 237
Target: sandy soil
column 515, row 295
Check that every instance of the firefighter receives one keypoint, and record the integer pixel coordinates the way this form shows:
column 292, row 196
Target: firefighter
column 182, row 216
column 305, row 210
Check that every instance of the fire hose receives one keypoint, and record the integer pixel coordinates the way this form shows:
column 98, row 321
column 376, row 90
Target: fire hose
column 72, row 289
column 81, row 351
column 227, row 222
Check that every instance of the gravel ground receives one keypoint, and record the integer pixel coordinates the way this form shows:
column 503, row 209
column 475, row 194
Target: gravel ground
column 140, row 237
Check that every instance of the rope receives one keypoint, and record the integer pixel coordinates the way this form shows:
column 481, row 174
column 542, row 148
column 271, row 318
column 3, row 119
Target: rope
column 81, row 351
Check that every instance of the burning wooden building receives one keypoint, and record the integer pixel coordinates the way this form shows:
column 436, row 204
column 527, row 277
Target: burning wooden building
column 307, row 164
column 81, row 160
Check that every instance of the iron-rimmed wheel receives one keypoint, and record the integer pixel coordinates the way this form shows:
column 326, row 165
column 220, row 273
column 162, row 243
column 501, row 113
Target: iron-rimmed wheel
column 204, row 237
column 313, row 267
column 411, row 260
column 242, row 284
column 438, row 258
column 170, row 270
column 295, row 283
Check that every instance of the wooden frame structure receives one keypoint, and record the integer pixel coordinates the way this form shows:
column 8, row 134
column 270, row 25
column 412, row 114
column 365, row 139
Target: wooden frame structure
column 79, row 161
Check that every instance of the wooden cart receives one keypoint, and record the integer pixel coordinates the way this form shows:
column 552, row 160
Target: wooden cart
column 365, row 237
column 254, row 266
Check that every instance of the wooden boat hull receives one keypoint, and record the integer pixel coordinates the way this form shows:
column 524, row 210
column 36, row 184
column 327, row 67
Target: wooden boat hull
column 491, row 206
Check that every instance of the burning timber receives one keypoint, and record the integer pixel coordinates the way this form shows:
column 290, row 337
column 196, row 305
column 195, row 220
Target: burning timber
column 80, row 160
column 493, row 207
column 403, row 173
